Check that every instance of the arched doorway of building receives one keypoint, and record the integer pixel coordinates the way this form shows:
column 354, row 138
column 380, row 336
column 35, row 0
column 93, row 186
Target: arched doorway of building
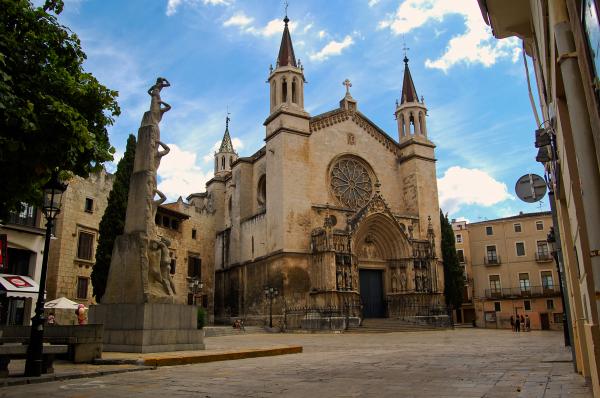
column 378, row 241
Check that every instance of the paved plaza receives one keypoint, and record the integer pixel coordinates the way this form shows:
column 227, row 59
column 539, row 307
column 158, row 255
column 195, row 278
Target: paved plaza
column 454, row 363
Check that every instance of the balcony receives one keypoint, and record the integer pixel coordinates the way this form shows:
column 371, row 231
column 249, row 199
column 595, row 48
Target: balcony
column 542, row 257
column 492, row 260
column 517, row 292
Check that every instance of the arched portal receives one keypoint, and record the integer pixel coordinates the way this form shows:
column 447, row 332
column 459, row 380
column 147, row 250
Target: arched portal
column 380, row 248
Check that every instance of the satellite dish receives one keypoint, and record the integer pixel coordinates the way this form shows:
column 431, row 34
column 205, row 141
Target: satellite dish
column 530, row 188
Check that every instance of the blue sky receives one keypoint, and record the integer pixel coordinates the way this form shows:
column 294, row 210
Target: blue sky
column 216, row 54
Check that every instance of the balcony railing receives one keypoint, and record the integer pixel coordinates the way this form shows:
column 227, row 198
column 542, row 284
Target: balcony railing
column 542, row 257
column 518, row 292
column 492, row 260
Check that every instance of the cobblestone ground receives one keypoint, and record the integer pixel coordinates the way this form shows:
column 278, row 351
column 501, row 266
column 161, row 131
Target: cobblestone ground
column 460, row 363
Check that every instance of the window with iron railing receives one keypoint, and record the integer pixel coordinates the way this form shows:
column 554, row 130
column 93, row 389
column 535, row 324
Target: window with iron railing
column 491, row 256
column 524, row 282
column 26, row 216
column 547, row 280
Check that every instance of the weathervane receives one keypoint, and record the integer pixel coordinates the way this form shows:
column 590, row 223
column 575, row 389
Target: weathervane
column 404, row 47
column 227, row 119
column 286, row 4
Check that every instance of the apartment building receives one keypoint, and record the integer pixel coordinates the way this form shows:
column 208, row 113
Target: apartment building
column 509, row 271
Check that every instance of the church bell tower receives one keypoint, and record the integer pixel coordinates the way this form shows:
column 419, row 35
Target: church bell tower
column 410, row 112
column 226, row 155
column 286, row 87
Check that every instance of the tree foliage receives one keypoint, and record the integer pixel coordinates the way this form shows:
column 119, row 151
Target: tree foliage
column 53, row 115
column 453, row 272
column 113, row 220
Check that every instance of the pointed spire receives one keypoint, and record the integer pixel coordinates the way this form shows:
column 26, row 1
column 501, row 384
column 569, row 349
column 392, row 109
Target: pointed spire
column 226, row 145
column 409, row 92
column 286, row 50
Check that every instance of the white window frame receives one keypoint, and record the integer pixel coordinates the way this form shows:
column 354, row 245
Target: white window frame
column 486, row 229
column 458, row 238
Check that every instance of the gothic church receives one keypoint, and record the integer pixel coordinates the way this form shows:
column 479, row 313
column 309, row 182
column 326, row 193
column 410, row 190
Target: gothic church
column 331, row 212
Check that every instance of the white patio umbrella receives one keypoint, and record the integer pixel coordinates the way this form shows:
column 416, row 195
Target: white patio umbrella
column 62, row 303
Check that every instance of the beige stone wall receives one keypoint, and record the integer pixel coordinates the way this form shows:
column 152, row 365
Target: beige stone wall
column 64, row 267
column 183, row 245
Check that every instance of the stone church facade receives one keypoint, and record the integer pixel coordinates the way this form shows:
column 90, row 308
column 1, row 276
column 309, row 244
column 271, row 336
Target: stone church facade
column 332, row 211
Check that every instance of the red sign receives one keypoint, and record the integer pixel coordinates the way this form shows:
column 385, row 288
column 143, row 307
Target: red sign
column 17, row 281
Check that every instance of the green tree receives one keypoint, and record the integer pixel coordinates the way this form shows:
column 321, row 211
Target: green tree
column 453, row 274
column 113, row 220
column 53, row 115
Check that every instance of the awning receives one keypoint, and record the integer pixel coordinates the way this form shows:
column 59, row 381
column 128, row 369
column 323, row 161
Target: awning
column 18, row 286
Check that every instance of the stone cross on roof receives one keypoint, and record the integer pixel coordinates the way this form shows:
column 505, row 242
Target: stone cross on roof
column 348, row 85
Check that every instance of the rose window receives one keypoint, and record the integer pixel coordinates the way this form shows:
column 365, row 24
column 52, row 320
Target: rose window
column 351, row 183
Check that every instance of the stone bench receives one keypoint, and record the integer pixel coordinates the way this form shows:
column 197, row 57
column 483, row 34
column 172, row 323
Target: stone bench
column 19, row 351
column 84, row 341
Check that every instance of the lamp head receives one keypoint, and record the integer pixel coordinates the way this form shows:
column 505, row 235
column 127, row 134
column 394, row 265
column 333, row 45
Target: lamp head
column 53, row 192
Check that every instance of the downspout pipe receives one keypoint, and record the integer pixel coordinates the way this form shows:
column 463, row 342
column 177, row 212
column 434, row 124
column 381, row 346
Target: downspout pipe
column 589, row 181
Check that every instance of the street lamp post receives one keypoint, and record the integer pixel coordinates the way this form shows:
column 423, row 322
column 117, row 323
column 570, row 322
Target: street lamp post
column 270, row 294
column 53, row 191
column 195, row 286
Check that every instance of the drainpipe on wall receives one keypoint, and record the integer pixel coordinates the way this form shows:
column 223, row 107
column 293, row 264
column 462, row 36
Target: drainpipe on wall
column 583, row 145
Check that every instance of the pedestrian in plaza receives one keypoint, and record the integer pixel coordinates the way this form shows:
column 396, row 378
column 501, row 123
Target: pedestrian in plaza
column 522, row 322
column 512, row 323
column 517, row 324
column 527, row 323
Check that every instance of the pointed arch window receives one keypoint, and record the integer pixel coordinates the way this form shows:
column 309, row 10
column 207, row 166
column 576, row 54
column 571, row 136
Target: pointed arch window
column 223, row 163
column 261, row 194
column 294, row 91
column 412, row 124
column 284, row 90
column 273, row 92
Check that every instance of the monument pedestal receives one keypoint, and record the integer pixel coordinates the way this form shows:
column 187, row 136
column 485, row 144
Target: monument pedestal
column 149, row 327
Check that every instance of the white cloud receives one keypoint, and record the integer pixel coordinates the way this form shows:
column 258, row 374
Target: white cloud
column 239, row 19
column 307, row 28
column 373, row 2
column 273, row 27
column 475, row 45
column 461, row 186
column 332, row 48
column 180, row 175
column 322, row 34
column 172, row 5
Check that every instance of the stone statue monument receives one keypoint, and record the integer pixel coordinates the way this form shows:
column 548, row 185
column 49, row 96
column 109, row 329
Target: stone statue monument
column 140, row 292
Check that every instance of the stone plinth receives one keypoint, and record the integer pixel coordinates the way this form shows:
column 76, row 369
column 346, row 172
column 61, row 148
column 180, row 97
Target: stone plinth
column 148, row 327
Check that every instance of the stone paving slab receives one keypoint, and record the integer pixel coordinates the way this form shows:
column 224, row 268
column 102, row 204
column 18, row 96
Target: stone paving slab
column 461, row 363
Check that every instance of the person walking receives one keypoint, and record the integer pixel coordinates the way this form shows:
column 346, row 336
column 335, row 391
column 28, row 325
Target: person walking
column 527, row 323
column 517, row 324
column 512, row 323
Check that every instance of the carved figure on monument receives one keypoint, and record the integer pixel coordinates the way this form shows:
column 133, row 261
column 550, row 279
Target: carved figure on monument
column 139, row 269
column 403, row 281
column 157, row 105
column 159, row 154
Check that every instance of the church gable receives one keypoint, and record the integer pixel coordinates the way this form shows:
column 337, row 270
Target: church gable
column 336, row 116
